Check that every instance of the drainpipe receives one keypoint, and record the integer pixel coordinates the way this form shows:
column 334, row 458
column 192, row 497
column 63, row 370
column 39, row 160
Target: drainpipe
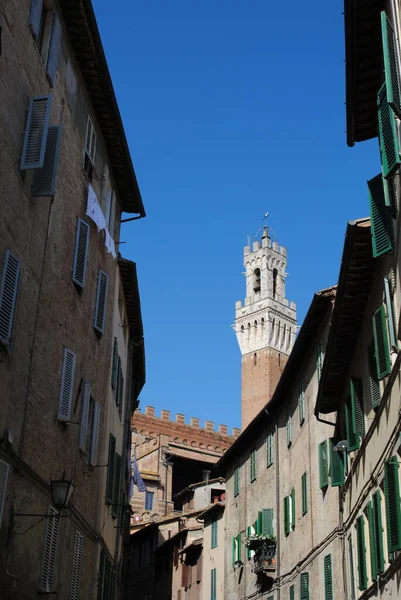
column 277, row 462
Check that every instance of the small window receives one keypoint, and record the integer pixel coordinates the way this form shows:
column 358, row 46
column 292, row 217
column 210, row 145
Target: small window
column 304, row 494
column 275, row 273
column 236, row 481
column 301, row 402
column 252, row 469
column 149, row 500
column 256, row 280
column 214, row 533
column 289, row 431
column 269, row 449
column 323, row 465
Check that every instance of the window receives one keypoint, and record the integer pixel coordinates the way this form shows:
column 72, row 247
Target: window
column 352, row 437
column 44, row 178
column 388, row 137
column 149, row 500
column 375, row 538
column 351, row 569
column 382, row 238
column 236, row 481
column 101, row 302
column 328, row 578
column 84, row 430
column 265, row 522
column 292, row 592
column 80, row 253
column 269, row 449
column 67, row 385
column 214, row 533
column 391, row 68
column 380, row 335
column 289, row 512
column 107, row 578
column 275, row 273
column 304, row 587
column 289, row 430
column 236, row 548
column 323, row 465
column 110, row 469
column 392, row 501
column 358, row 416
column 4, row 468
column 256, row 280
column 252, row 470
column 114, row 369
column 361, row 552
column 115, row 509
column 49, row 551
column 388, row 296
column 304, row 494
column 213, row 584
column 301, row 402
column 8, row 297
column 76, row 566
column 46, row 29
column 319, row 360
column 90, row 143
column 373, row 379
column 336, row 464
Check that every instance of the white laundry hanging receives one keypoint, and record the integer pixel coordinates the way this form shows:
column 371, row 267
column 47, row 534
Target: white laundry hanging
column 94, row 211
column 109, row 243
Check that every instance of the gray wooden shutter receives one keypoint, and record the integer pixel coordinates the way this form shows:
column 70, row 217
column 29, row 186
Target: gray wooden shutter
column 54, row 50
column 267, row 521
column 44, row 182
column 67, row 385
column 80, row 253
column 76, row 566
column 37, row 125
column 4, row 468
column 95, row 433
column 8, row 296
column 49, row 551
column 83, row 434
column 35, row 17
column 101, row 301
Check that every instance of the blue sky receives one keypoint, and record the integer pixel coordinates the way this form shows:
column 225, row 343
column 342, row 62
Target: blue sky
column 231, row 109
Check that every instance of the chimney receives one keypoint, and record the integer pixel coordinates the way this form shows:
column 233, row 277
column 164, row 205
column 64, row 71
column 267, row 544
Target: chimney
column 206, row 476
column 223, row 429
column 149, row 411
column 195, row 422
column 209, row 425
column 165, row 415
column 236, row 431
column 180, row 419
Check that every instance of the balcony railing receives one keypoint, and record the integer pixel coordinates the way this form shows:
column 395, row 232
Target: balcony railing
column 265, row 558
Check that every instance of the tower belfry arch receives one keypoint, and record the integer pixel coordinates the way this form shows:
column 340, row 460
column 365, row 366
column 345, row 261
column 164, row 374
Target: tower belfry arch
column 265, row 323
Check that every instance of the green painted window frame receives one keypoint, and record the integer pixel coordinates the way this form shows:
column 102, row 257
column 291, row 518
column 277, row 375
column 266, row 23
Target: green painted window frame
column 269, row 449
column 393, row 504
column 328, row 577
column 378, row 531
column 380, row 221
column 357, row 406
column 293, row 509
column 389, row 301
column 213, row 584
column 391, row 69
column 304, row 586
column 374, row 383
column 337, row 469
column 323, row 465
column 380, row 336
column 388, row 134
column 252, row 468
column 236, row 482
column 286, row 515
column 213, row 542
column 361, row 553
column 352, row 437
column 304, row 487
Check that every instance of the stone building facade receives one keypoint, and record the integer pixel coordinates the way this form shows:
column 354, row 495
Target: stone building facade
column 66, row 173
column 265, row 323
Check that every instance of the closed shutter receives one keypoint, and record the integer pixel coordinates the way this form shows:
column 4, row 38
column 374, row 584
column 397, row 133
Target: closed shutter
column 373, row 380
column 351, row 569
column 393, row 510
column 372, row 543
column 4, row 468
column 83, row 434
column 80, row 253
column 292, row 592
column 267, row 522
column 49, row 551
column 323, row 465
column 328, row 578
column 67, row 385
column 336, row 465
column 390, row 315
column 236, row 481
column 304, row 494
column 35, row 17
column 101, row 302
column 114, row 371
column 110, row 470
column 391, row 65
column 44, row 181
column 116, row 484
column 95, row 434
column 286, row 515
column 76, row 566
column 8, row 296
column 304, row 587
column 382, row 354
column 361, row 552
column 253, row 465
column 388, row 137
column 379, row 218
column 54, row 50
column 293, row 508
column 269, row 449
column 301, row 402
column 90, row 141
column 213, row 584
column 358, row 416
column 378, row 531
column 352, row 438
column 214, row 534
column 37, row 124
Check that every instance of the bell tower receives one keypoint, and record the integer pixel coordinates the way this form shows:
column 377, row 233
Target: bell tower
column 265, row 323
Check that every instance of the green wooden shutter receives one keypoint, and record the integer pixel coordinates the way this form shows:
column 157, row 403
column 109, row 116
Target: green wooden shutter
column 379, row 218
column 393, row 510
column 33, row 150
column 116, row 484
column 372, row 543
column 328, row 578
column 118, row 391
column 286, row 515
column 8, row 296
column 67, row 385
column 390, row 315
column 301, row 402
column 292, row 592
column 352, row 438
column 213, row 584
column 256, row 526
column 239, row 538
column 336, row 465
column 44, row 181
column 252, row 470
column 323, row 465
column 293, row 508
column 388, row 137
column 358, row 416
column 391, row 64
column 378, row 531
column 114, row 367
column 110, row 470
column 80, row 253
column 54, row 50
column 269, row 449
column 361, row 552
column 236, row 481
column 304, row 494
column 101, row 301
column 373, row 380
column 351, row 569
column 214, row 534
column 35, row 17
column 382, row 354
column 304, row 587
column 248, row 533
column 233, row 552
column 267, row 521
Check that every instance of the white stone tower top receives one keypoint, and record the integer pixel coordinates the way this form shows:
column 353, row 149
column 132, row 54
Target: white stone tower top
column 266, row 319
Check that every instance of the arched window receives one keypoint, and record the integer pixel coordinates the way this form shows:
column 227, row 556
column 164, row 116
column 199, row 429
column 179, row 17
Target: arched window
column 256, row 280
column 275, row 273
column 272, row 331
column 289, row 338
column 255, row 359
